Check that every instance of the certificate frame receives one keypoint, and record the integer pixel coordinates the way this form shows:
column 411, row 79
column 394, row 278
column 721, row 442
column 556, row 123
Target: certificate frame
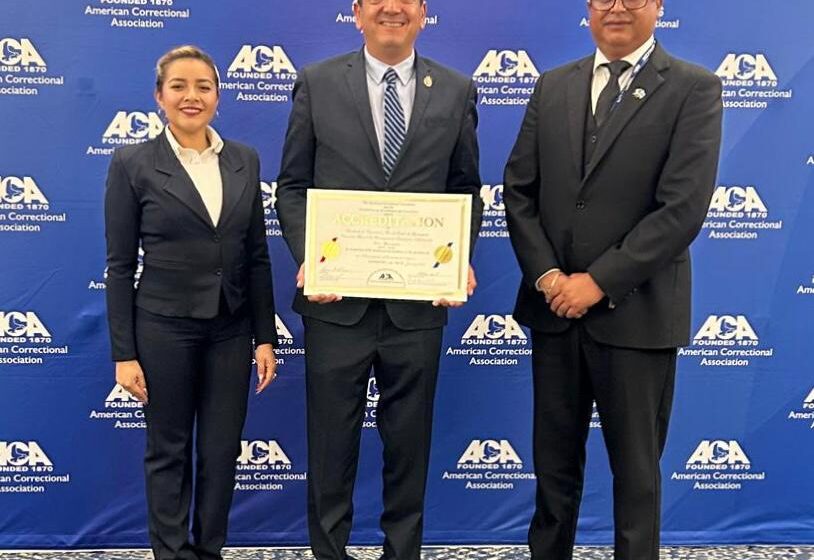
column 387, row 245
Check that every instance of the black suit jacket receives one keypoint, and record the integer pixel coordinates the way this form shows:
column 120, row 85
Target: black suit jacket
column 188, row 261
column 331, row 143
column 630, row 217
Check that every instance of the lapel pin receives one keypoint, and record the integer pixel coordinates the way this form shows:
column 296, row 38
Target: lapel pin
column 639, row 93
column 428, row 81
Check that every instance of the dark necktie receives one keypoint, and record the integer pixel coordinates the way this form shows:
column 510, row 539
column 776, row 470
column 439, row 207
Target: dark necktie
column 610, row 91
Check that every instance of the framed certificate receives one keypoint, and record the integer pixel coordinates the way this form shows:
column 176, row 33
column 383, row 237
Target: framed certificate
column 412, row 246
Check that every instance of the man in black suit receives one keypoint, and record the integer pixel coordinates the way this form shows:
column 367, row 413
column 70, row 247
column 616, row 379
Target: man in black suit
column 608, row 183
column 380, row 119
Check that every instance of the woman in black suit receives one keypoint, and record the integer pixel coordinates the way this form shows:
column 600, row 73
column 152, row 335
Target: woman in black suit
column 192, row 201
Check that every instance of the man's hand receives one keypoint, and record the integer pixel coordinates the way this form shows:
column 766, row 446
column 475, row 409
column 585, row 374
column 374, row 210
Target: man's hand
column 550, row 285
column 574, row 295
column 130, row 376
column 318, row 298
column 471, row 284
column 266, row 366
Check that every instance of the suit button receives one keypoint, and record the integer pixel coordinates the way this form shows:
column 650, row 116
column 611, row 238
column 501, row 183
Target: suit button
column 219, row 272
column 216, row 238
column 580, row 204
column 593, row 139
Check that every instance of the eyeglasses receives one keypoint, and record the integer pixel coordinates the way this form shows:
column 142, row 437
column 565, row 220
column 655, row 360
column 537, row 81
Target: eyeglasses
column 607, row 5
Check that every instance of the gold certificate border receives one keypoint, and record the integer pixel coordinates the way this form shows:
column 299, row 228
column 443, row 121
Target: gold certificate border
column 462, row 208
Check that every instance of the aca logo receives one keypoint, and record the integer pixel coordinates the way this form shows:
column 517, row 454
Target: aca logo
column 287, row 346
column 746, row 68
column 743, row 200
column 506, row 64
column 119, row 397
column 259, row 465
column 726, row 340
column 18, row 53
column 21, row 192
column 372, row 391
column 749, row 81
column 493, row 223
column 260, row 452
column 269, row 192
column 282, row 330
column 122, row 410
column 486, row 339
column 22, row 326
column 738, row 213
column 132, row 128
column 719, row 453
column 806, row 412
column 719, row 465
column 372, row 404
column 505, row 78
column 261, row 73
column 260, row 59
column 23, row 454
column 24, row 207
column 494, row 327
column 20, row 56
column 489, row 464
column 492, row 196
column 489, row 453
column 726, row 330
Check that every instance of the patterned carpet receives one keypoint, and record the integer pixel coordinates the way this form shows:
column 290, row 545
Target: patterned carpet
column 442, row 553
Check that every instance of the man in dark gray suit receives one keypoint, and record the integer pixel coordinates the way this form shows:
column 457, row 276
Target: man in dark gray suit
column 380, row 119
column 608, row 183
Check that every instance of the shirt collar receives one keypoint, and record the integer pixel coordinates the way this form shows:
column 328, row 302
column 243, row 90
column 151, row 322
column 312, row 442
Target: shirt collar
column 376, row 68
column 632, row 58
column 215, row 144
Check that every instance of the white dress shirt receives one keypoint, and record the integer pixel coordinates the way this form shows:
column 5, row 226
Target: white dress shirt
column 602, row 74
column 204, row 170
column 405, row 86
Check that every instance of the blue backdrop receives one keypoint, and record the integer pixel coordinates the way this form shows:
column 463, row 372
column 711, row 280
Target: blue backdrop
column 76, row 81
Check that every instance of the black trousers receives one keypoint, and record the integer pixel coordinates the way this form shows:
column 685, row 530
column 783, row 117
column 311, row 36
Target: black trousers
column 633, row 390
column 338, row 363
column 197, row 373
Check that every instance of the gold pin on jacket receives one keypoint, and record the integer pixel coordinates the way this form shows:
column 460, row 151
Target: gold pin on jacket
column 428, row 80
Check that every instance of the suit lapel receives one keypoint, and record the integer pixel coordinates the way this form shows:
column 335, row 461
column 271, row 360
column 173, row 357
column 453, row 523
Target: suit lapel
column 234, row 183
column 421, row 100
column 357, row 82
column 579, row 84
column 648, row 80
column 179, row 183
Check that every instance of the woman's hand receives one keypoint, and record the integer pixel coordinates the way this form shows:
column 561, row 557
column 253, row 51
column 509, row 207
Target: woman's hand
column 130, row 376
column 266, row 366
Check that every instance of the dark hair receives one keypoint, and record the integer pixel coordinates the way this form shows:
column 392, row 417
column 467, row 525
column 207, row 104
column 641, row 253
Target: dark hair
column 177, row 53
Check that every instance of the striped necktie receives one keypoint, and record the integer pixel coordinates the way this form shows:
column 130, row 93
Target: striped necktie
column 395, row 130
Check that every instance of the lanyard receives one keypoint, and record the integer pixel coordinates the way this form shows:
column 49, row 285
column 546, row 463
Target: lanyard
column 635, row 72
